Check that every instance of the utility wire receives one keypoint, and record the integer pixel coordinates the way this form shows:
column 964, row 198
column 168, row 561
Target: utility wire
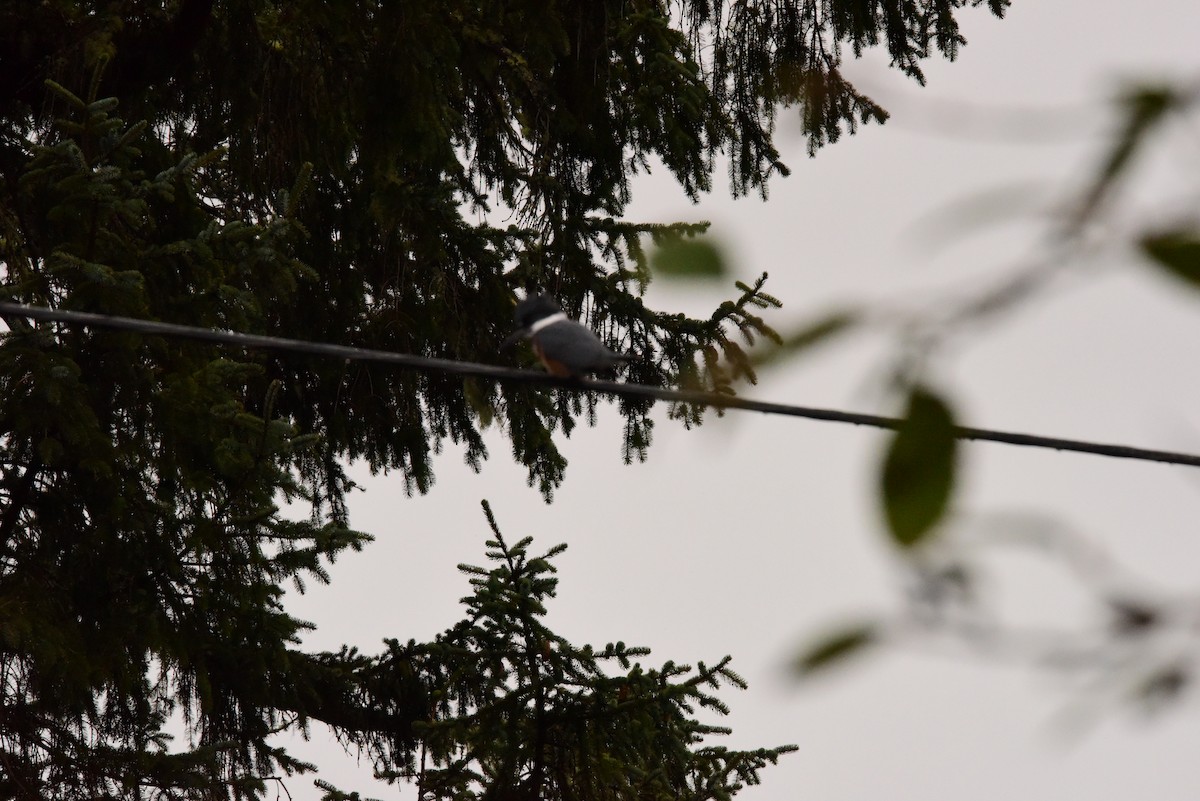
column 709, row 399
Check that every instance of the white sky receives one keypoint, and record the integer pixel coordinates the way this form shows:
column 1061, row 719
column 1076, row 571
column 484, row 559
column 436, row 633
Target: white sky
column 749, row 536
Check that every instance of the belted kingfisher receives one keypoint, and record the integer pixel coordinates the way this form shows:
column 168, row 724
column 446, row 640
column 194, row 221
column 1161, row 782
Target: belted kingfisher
column 565, row 347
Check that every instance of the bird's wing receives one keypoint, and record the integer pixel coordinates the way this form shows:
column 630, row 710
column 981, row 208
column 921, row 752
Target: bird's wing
column 576, row 347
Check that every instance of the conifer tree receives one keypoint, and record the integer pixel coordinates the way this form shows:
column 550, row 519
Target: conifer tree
column 376, row 174
column 516, row 711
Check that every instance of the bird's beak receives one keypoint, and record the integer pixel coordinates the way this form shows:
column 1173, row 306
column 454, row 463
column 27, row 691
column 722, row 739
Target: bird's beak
column 514, row 338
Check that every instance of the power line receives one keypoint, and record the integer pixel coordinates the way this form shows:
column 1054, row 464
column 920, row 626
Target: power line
column 708, row 399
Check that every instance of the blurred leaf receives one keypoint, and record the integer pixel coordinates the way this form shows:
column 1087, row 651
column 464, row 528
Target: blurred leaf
column 943, row 585
column 1144, row 108
column 793, row 342
column 1163, row 686
column 979, row 212
column 835, row 647
column 1176, row 251
column 1132, row 617
column 689, row 258
column 918, row 471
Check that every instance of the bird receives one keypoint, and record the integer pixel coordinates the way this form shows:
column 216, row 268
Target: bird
column 566, row 348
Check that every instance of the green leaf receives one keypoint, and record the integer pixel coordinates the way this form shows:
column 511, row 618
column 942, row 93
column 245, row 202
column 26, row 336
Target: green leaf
column 793, row 342
column 835, row 647
column 1176, row 251
column 689, row 258
column 918, row 471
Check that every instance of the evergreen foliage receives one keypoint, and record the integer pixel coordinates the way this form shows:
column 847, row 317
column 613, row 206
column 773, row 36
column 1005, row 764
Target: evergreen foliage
column 516, row 711
column 334, row 172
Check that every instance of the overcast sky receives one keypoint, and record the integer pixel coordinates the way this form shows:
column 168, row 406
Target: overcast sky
column 749, row 536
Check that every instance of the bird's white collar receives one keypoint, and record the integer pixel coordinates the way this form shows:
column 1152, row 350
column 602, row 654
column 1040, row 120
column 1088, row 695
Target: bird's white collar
column 545, row 322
